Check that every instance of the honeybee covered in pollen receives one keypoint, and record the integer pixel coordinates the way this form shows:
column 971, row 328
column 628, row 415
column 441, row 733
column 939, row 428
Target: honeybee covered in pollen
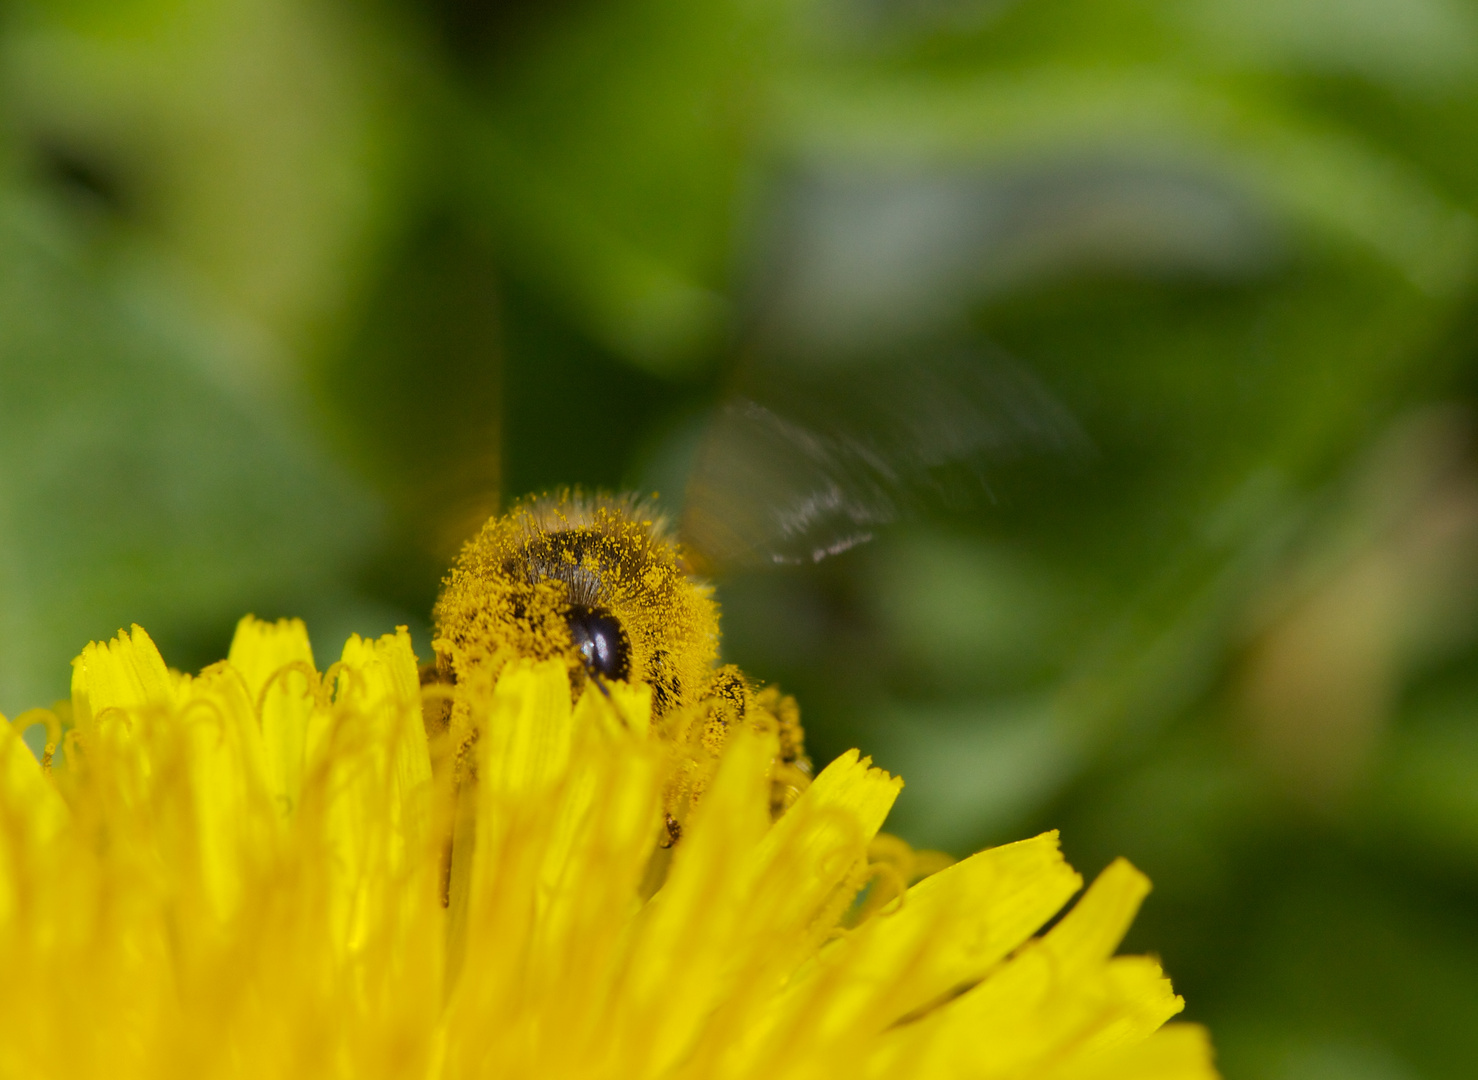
column 599, row 583
column 793, row 475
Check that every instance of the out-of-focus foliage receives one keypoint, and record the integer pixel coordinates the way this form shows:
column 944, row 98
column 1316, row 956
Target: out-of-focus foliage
column 291, row 291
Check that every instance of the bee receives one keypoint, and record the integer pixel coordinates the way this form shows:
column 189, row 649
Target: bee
column 604, row 585
column 599, row 583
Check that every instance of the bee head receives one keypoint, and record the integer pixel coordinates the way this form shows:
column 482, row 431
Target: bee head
column 601, row 642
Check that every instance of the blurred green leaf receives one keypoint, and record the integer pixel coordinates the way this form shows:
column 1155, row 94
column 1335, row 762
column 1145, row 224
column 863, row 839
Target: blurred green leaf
column 142, row 484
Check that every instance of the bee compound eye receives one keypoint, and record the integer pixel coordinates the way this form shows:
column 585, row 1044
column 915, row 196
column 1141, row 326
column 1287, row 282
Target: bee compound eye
column 601, row 641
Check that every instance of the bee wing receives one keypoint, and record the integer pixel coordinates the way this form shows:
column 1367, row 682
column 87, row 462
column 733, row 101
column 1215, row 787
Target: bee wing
column 803, row 462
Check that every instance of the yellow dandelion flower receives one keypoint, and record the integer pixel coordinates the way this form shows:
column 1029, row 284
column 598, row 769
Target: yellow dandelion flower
column 247, row 873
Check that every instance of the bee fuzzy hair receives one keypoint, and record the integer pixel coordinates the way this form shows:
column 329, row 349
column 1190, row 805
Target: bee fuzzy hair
column 575, row 508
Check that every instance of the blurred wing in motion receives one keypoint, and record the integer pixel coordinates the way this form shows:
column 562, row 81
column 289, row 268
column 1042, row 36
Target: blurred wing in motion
column 804, row 462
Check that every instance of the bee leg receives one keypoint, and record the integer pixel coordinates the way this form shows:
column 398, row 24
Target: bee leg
column 731, row 700
column 450, row 763
column 727, row 702
column 791, row 772
column 437, row 681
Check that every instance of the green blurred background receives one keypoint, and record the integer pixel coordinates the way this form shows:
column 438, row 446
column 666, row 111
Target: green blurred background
column 293, row 291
